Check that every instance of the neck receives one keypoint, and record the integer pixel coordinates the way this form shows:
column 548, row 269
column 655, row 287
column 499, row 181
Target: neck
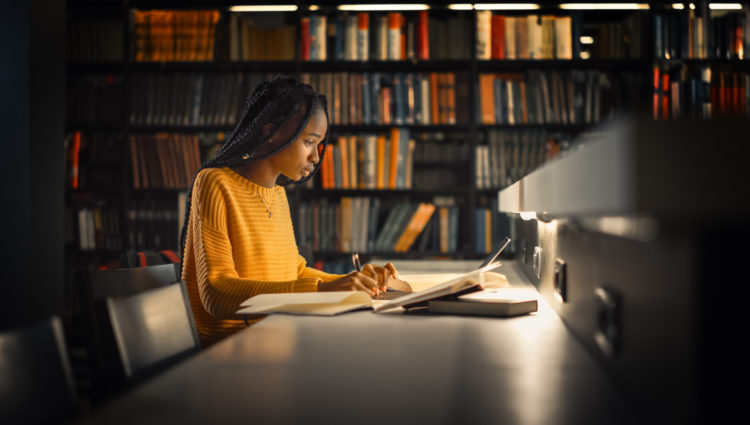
column 258, row 172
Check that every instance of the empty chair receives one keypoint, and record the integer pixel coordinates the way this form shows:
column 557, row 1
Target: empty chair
column 95, row 286
column 152, row 329
column 122, row 282
column 36, row 383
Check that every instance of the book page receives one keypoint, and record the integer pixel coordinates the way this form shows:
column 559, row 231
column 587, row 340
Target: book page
column 319, row 303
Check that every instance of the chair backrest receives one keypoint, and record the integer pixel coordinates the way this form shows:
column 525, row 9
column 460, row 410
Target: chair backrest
column 133, row 258
column 130, row 281
column 36, row 382
column 153, row 329
column 95, row 286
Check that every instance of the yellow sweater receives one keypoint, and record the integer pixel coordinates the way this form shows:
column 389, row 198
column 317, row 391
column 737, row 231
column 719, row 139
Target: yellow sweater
column 234, row 250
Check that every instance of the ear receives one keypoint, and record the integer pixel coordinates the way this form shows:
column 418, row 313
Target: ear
column 268, row 129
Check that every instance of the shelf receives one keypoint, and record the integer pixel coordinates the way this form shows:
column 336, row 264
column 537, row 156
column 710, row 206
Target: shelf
column 363, row 128
column 591, row 64
column 410, row 255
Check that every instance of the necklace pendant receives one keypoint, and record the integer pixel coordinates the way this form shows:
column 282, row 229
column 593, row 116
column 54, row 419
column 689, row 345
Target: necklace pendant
column 270, row 214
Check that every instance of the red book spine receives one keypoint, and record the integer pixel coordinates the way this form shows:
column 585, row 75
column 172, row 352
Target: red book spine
column 497, row 34
column 423, row 41
column 656, row 94
column 304, row 31
column 665, row 96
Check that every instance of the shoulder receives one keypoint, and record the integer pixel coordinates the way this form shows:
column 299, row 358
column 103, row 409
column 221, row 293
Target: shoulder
column 212, row 177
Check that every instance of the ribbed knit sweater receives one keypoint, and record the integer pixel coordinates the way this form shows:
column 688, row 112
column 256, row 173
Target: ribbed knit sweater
column 234, row 250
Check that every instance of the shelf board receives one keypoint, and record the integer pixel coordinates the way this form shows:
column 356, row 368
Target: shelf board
column 522, row 65
column 387, row 127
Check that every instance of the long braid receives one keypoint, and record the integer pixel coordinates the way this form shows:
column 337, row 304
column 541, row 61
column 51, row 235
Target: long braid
column 278, row 102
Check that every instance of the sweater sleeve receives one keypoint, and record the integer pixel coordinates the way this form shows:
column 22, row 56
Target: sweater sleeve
column 219, row 285
column 308, row 272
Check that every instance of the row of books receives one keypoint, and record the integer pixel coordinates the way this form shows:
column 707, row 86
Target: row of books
column 369, row 161
column 526, row 37
column 93, row 161
column 546, row 97
column 700, row 93
column 616, row 40
column 92, row 40
column 98, row 229
column 367, row 225
column 95, row 99
column 694, row 34
column 256, row 37
column 393, row 98
column 153, row 225
column 164, row 160
column 355, row 37
column 173, row 35
column 193, row 98
column 510, row 155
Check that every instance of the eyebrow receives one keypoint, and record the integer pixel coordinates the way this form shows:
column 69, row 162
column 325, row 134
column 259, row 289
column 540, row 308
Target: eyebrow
column 315, row 134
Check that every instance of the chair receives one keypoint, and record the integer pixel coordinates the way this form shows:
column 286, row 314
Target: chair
column 36, row 382
column 150, row 258
column 108, row 375
column 153, row 329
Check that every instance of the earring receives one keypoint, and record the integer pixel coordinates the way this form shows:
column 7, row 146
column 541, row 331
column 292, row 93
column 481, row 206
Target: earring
column 245, row 156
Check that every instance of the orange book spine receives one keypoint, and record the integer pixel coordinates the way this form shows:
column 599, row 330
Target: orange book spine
column 380, row 182
column 434, row 100
column 423, row 41
column 344, row 154
column 395, row 135
column 656, row 93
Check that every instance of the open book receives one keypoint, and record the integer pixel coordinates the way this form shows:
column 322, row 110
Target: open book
column 315, row 303
column 449, row 289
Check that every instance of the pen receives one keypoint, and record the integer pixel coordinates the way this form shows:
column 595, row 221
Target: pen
column 355, row 260
column 357, row 264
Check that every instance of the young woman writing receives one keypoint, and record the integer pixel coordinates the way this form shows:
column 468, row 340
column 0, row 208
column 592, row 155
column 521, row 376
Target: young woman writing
column 237, row 237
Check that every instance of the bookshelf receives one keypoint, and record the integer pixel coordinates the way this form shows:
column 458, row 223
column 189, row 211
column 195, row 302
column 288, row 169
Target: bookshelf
column 441, row 77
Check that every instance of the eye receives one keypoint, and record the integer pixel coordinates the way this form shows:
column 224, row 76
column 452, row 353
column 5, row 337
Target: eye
column 309, row 142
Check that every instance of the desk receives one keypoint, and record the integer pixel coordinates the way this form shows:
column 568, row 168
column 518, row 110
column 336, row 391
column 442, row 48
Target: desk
column 388, row 368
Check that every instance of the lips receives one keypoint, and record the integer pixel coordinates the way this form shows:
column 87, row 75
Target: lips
column 307, row 171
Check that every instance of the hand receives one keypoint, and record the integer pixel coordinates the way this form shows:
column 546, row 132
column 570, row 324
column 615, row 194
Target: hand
column 354, row 281
column 381, row 274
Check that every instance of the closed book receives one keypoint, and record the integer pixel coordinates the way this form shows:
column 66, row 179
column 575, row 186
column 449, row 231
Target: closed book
column 510, row 37
column 534, row 35
column 394, row 36
column 483, row 44
column 502, row 302
column 304, row 38
column 497, row 34
column 423, row 42
column 563, row 38
column 363, row 36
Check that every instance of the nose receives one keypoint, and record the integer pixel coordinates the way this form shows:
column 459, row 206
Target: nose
column 315, row 156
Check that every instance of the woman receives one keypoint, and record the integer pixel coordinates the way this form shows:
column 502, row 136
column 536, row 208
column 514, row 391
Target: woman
column 237, row 238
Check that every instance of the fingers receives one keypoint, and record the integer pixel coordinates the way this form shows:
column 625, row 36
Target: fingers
column 380, row 274
column 394, row 273
column 360, row 281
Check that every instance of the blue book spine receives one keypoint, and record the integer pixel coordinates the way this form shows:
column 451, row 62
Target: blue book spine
column 337, row 167
column 453, row 229
column 658, row 49
column 479, row 226
column 398, row 99
column 339, row 45
column 314, row 44
column 418, row 115
column 372, row 230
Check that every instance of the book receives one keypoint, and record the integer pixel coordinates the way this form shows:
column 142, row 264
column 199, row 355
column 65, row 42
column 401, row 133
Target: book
column 453, row 287
column 502, row 302
column 307, row 303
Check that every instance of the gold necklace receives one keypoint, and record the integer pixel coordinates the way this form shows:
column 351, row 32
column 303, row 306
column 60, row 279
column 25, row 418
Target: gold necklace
column 268, row 210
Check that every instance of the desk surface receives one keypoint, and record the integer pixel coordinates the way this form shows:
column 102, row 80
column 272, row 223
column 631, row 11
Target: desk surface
column 383, row 368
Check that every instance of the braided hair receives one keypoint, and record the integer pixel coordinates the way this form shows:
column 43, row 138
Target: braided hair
column 273, row 117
